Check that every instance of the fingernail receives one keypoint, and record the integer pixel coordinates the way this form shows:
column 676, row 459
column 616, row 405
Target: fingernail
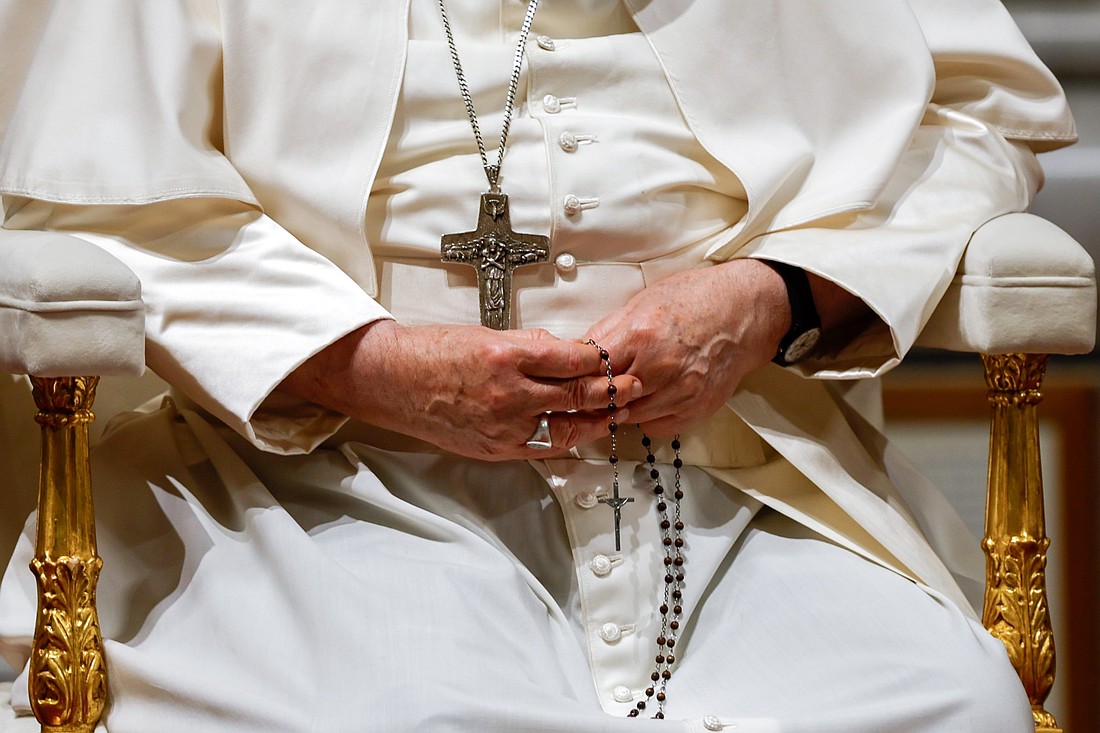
column 636, row 390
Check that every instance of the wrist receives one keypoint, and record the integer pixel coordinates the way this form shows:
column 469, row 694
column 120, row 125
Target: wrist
column 325, row 378
column 804, row 330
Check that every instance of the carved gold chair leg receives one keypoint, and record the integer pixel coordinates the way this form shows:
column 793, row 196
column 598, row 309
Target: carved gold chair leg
column 68, row 673
column 1015, row 608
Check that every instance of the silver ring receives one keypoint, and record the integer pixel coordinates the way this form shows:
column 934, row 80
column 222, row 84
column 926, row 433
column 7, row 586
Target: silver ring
column 540, row 439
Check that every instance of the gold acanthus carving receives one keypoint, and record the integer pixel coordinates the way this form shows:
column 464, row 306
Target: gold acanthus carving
column 1014, row 378
column 68, row 674
column 64, row 394
column 1015, row 609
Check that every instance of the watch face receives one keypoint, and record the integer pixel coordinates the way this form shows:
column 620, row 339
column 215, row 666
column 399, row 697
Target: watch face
column 802, row 346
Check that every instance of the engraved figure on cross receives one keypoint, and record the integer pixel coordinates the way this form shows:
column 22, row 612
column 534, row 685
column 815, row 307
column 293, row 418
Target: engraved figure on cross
column 494, row 263
column 494, row 250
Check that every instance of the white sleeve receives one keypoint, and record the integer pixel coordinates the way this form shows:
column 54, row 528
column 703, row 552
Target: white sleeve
column 111, row 126
column 234, row 303
column 971, row 159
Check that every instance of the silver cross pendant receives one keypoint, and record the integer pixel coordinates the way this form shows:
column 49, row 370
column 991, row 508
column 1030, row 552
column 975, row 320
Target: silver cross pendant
column 494, row 250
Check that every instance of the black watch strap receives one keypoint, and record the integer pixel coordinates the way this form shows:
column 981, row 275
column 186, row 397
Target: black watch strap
column 805, row 331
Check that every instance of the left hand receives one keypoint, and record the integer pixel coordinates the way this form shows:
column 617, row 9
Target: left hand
column 692, row 337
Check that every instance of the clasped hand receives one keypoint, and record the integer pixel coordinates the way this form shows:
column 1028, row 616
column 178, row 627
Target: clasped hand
column 679, row 350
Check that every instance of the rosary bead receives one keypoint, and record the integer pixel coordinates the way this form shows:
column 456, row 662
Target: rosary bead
column 671, row 643
column 667, row 541
column 678, row 561
column 675, row 444
column 664, row 608
column 612, row 460
column 646, row 442
column 668, row 579
column 649, row 692
column 650, row 458
column 661, row 506
column 679, row 526
column 674, row 625
column 604, row 355
column 677, row 610
column 666, row 674
column 678, row 463
column 665, row 524
column 658, row 489
column 659, row 659
column 679, row 495
column 612, row 389
column 641, row 705
column 668, row 561
column 661, row 641
column 612, row 426
column 633, row 714
column 679, row 542
column 659, row 715
column 654, row 474
column 677, row 595
column 654, row 676
column 661, row 698
column 680, row 577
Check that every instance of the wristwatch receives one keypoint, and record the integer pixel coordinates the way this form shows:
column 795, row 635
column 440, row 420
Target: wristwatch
column 805, row 331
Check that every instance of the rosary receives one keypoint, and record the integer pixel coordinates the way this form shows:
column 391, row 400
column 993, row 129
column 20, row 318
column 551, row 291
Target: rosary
column 494, row 250
column 671, row 539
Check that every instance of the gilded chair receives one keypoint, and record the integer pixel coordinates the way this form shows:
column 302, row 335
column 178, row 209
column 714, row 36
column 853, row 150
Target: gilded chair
column 68, row 311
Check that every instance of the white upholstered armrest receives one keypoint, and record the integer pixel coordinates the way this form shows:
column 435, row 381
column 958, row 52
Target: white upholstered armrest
column 1023, row 286
column 67, row 308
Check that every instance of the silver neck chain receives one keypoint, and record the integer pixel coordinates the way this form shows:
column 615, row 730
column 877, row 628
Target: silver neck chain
column 492, row 172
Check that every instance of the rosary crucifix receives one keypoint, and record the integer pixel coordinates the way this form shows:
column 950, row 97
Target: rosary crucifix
column 617, row 503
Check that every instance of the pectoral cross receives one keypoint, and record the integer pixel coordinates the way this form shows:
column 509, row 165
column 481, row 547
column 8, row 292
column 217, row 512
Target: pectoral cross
column 617, row 503
column 494, row 250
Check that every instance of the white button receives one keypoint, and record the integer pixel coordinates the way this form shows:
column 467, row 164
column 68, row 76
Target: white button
column 574, row 204
column 553, row 104
column 711, row 722
column 610, row 632
column 546, row 43
column 622, row 693
column 600, row 564
column 569, row 142
column 567, row 263
column 586, row 500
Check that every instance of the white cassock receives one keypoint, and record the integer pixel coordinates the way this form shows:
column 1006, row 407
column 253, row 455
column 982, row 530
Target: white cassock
column 272, row 567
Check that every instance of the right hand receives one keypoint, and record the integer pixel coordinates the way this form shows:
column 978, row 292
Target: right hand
column 467, row 389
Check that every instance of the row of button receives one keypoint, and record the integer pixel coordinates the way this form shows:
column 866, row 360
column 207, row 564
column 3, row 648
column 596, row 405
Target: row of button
column 600, row 565
column 567, row 141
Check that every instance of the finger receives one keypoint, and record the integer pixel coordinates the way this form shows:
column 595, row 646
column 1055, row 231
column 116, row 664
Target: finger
column 541, row 356
column 653, row 409
column 587, row 394
column 571, row 429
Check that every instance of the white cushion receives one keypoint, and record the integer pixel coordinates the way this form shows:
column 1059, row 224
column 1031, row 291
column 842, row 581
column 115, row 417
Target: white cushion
column 67, row 308
column 1024, row 286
